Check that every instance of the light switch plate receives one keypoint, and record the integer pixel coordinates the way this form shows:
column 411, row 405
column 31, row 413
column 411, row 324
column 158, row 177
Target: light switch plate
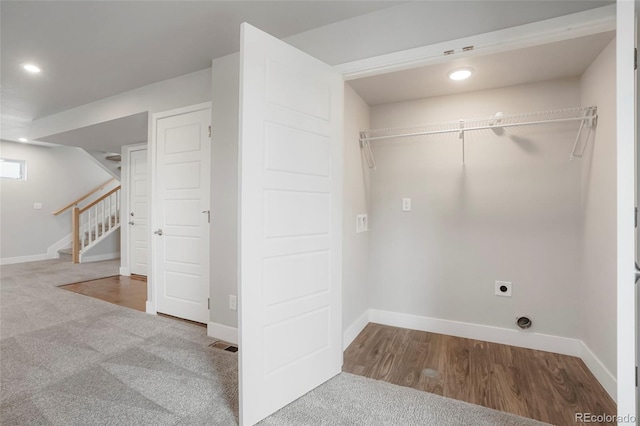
column 37, row 206
column 406, row 204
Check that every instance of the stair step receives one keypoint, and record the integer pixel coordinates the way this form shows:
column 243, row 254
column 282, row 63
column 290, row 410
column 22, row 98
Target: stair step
column 64, row 253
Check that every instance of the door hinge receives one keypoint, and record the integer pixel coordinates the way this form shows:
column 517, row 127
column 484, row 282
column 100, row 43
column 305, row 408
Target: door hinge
column 635, row 58
column 636, row 376
column 209, row 131
column 635, row 218
column 208, row 303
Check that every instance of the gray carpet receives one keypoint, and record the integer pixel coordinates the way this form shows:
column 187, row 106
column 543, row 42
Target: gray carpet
column 67, row 359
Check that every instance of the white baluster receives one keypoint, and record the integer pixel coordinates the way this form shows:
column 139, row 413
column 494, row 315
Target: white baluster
column 83, row 218
column 95, row 235
column 104, row 225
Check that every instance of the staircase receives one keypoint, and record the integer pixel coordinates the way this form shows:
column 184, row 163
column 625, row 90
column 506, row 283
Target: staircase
column 92, row 223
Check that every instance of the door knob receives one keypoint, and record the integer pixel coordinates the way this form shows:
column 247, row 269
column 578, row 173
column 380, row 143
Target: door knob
column 131, row 223
column 158, row 232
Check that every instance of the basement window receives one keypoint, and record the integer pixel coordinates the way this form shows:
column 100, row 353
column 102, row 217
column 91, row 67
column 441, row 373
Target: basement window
column 13, row 169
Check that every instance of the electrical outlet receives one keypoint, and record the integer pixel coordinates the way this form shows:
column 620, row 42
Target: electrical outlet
column 37, row 206
column 406, row 204
column 233, row 302
column 362, row 223
column 503, row 288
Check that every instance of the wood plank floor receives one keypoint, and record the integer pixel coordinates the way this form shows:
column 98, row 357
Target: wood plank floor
column 535, row 384
column 130, row 292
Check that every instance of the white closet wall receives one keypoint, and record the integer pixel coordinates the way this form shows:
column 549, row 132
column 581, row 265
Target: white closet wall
column 511, row 213
column 355, row 246
column 597, row 287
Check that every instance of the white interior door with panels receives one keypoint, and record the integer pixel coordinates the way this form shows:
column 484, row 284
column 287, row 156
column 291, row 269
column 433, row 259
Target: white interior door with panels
column 291, row 115
column 626, row 192
column 180, row 239
column 138, row 214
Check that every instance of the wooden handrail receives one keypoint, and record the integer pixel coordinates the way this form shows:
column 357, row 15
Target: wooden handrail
column 84, row 197
column 87, row 207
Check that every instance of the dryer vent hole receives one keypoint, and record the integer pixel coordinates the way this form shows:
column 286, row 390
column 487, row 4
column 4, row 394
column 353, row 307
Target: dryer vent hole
column 523, row 322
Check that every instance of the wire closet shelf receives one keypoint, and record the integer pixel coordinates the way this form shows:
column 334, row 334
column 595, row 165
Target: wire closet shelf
column 586, row 116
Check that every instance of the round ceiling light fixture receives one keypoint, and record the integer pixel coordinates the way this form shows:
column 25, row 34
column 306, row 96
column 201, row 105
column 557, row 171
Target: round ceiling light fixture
column 31, row 68
column 23, row 140
column 460, row 74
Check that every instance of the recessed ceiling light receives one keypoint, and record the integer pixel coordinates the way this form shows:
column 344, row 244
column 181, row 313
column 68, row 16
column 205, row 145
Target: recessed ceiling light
column 33, row 69
column 23, row 139
column 460, row 73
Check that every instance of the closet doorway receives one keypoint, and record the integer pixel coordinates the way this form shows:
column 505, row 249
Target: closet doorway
column 506, row 179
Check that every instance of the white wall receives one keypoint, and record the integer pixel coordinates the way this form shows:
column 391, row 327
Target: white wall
column 224, row 189
column 55, row 177
column 355, row 246
column 598, row 279
column 511, row 213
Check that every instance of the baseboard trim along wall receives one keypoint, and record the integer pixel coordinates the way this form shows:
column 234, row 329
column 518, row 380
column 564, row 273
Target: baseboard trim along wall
column 125, row 272
column 150, row 308
column 604, row 376
column 24, row 259
column 354, row 329
column 223, row 332
column 62, row 243
column 523, row 339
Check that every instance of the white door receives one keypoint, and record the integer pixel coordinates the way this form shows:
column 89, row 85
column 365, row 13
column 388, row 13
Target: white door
column 181, row 213
column 138, row 220
column 291, row 115
column 626, row 191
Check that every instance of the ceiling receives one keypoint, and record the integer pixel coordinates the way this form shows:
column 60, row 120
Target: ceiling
column 569, row 58
column 89, row 50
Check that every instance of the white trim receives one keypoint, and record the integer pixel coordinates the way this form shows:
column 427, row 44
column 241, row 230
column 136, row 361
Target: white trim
column 566, row 27
column 24, row 259
column 627, row 391
column 151, row 308
column 598, row 369
column 124, row 271
column 99, row 257
column 356, row 327
column 505, row 336
column 62, row 243
column 223, row 332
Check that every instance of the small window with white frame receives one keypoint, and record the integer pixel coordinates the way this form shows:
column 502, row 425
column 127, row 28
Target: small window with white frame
column 13, row 169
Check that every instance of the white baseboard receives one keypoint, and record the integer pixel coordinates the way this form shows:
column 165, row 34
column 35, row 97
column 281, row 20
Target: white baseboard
column 223, row 332
column 505, row 336
column 608, row 381
column 24, row 259
column 125, row 272
column 62, row 243
column 52, row 253
column 150, row 308
column 99, row 257
column 354, row 329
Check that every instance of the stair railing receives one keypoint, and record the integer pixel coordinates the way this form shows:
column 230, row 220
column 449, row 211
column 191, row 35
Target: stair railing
column 84, row 197
column 94, row 221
